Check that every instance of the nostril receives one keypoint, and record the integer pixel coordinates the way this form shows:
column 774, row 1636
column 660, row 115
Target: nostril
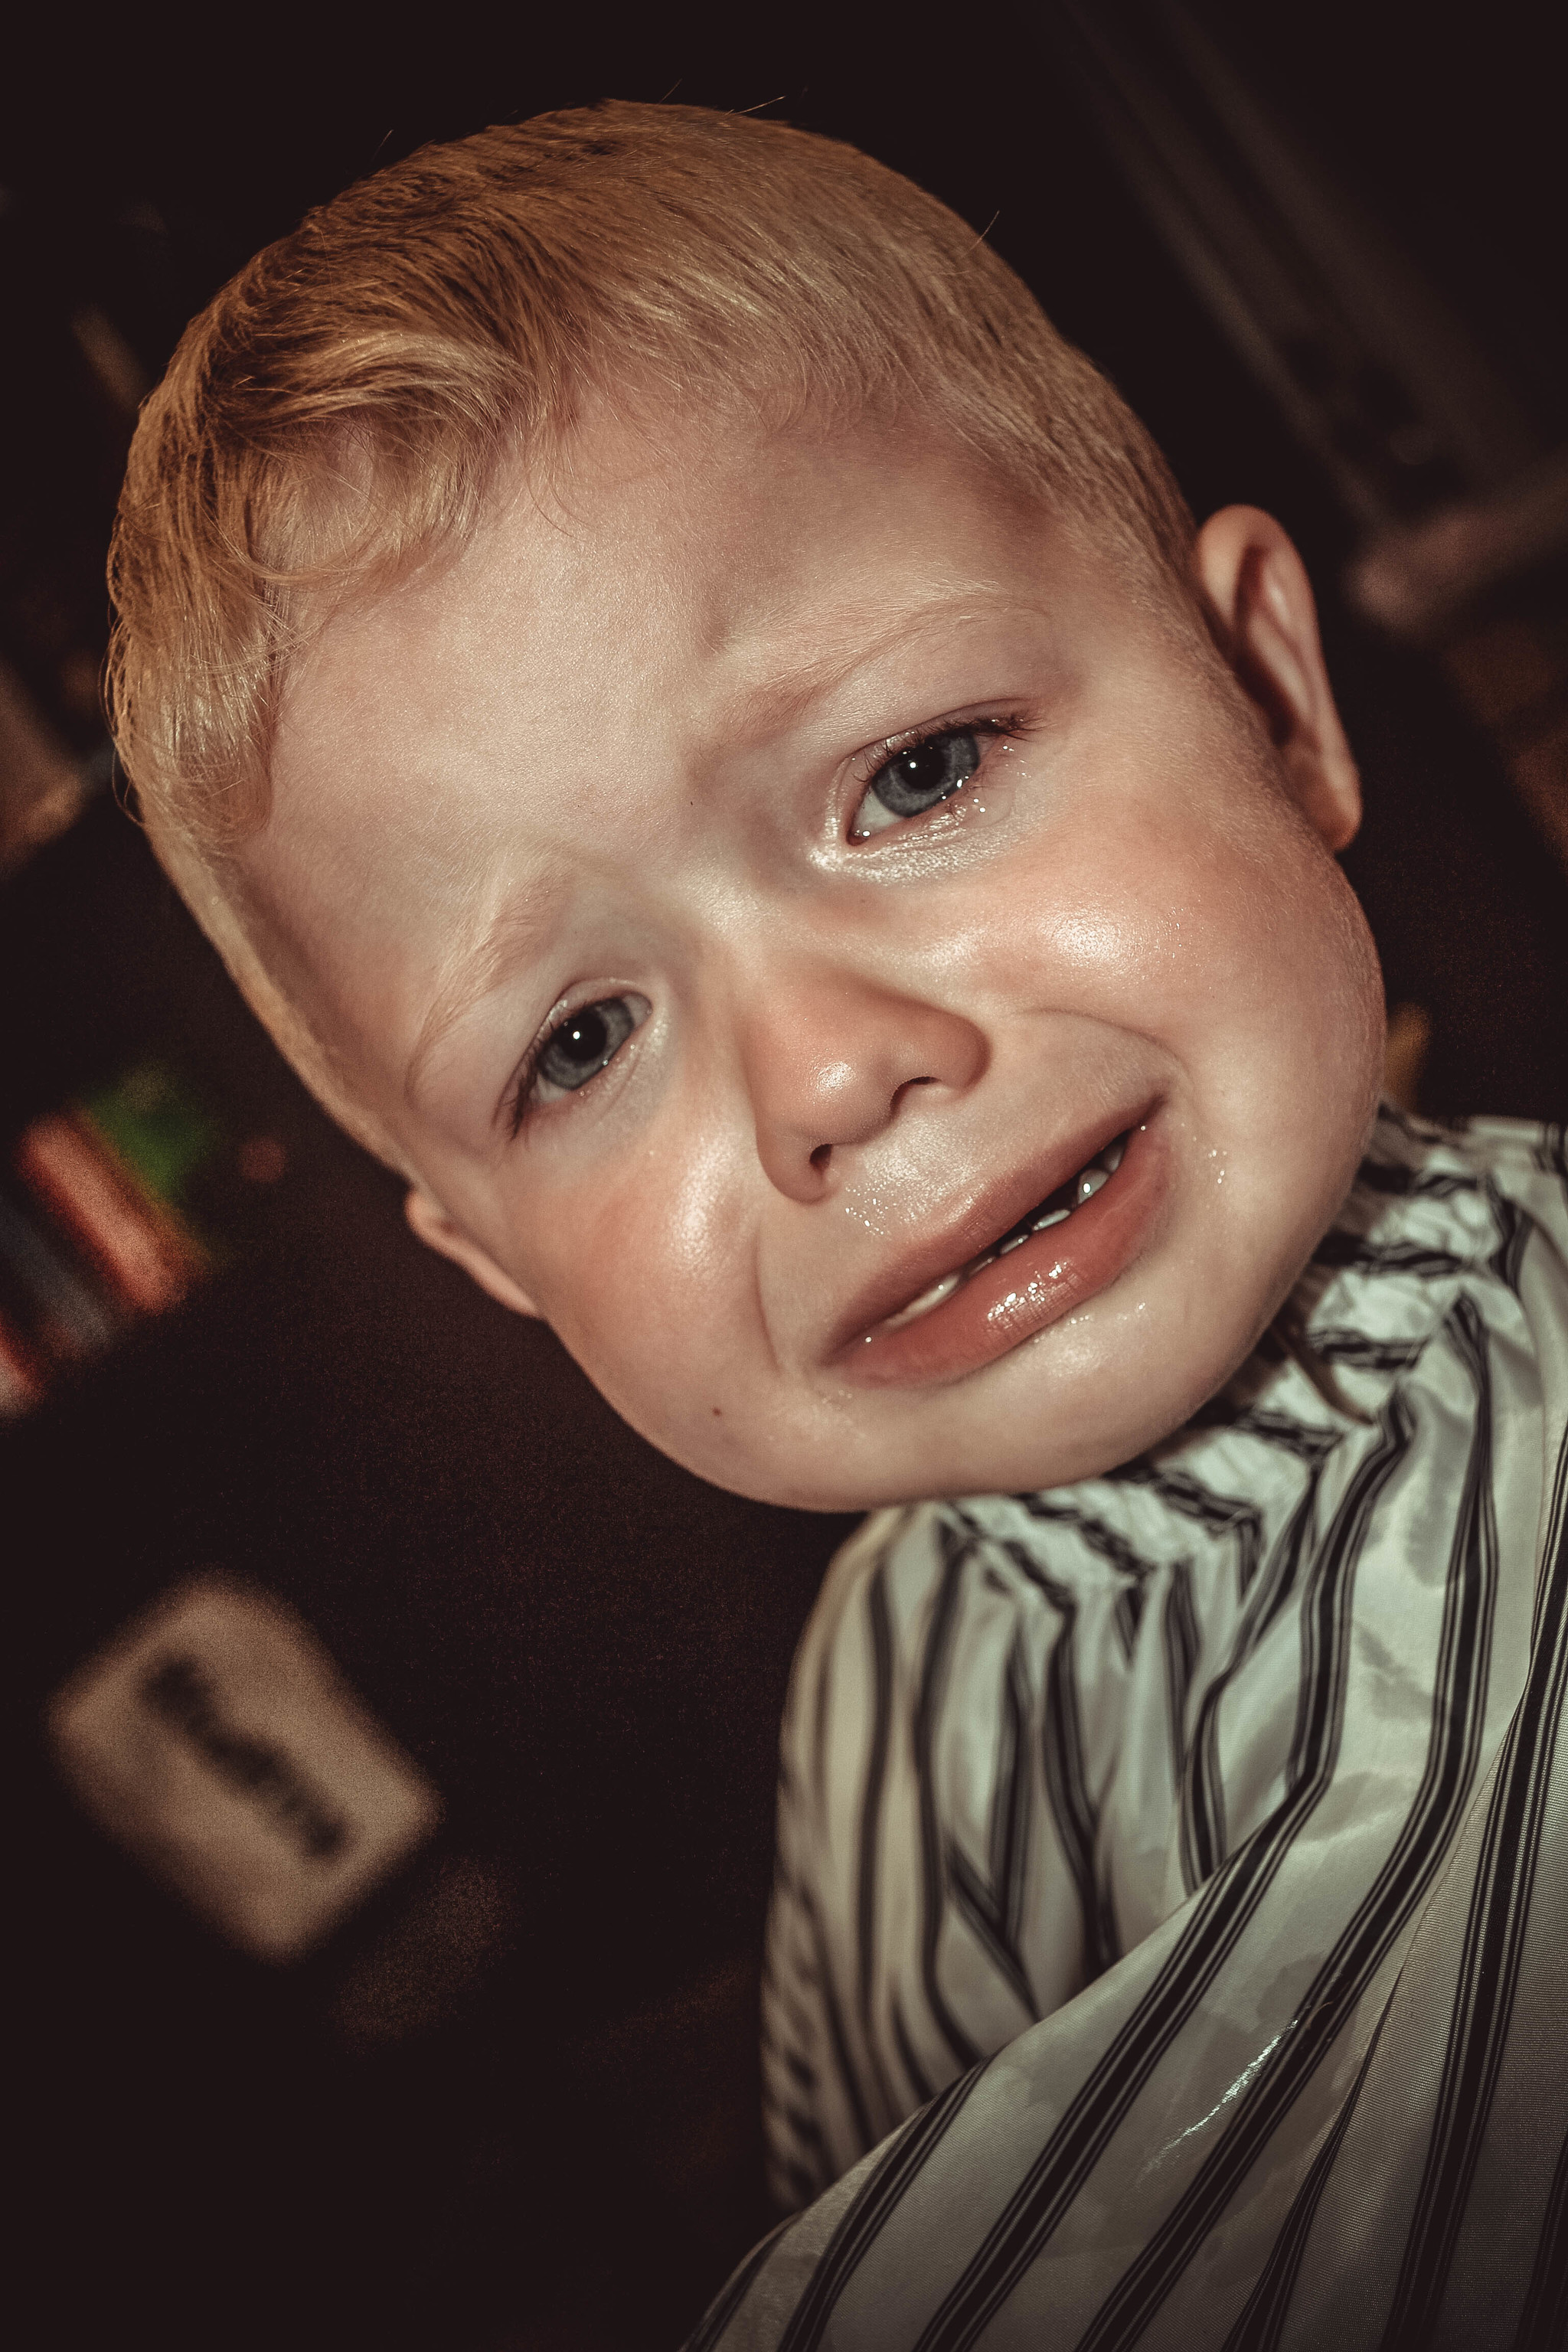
column 820, row 1158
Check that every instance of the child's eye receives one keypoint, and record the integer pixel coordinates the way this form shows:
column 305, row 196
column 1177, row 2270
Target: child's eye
column 579, row 1047
column 918, row 778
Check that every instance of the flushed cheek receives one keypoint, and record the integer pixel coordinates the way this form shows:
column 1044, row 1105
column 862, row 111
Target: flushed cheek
column 1127, row 947
column 1191, row 926
column 1239, row 955
column 651, row 1291
column 1278, row 959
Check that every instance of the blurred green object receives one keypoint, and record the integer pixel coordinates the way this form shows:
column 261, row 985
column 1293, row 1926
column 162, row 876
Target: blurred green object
column 157, row 1126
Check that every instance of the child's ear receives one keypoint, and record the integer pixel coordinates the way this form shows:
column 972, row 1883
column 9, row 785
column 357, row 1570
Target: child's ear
column 443, row 1232
column 1261, row 610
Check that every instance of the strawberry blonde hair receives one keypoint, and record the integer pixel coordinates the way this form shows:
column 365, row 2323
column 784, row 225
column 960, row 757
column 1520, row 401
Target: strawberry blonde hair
column 341, row 410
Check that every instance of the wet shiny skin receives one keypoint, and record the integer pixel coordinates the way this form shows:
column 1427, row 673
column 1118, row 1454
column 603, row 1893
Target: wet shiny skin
column 618, row 745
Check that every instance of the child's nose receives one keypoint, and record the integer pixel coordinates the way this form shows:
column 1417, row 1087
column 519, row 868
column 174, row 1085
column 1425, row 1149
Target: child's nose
column 831, row 1059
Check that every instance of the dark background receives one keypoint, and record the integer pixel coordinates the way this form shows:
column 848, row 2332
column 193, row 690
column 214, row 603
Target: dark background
column 513, row 2102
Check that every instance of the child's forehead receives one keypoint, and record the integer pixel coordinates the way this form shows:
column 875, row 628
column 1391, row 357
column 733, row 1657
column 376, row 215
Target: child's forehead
column 723, row 537
column 706, row 581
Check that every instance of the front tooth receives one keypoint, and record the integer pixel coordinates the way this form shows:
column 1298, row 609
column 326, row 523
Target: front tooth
column 924, row 1303
column 1089, row 1184
column 1051, row 1217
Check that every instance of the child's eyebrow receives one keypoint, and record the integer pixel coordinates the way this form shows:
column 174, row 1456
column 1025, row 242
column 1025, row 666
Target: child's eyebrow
column 515, row 934
column 851, row 640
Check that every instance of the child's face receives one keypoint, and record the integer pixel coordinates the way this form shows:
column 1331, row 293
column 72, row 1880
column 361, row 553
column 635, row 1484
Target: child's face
column 630, row 783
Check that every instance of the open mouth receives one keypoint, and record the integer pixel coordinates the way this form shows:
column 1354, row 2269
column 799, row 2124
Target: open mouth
column 1072, row 1245
column 1053, row 1210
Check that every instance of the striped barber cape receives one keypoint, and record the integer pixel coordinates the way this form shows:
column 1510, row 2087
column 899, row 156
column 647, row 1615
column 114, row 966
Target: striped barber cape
column 1169, row 1941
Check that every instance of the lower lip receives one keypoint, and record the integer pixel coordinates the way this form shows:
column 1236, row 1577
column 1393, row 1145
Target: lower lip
column 1032, row 1288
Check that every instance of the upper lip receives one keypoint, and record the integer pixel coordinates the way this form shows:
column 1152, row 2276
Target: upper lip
column 977, row 1226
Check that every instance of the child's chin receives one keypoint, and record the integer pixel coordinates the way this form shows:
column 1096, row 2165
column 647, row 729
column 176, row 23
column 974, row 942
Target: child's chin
column 893, row 1473
column 1076, row 1430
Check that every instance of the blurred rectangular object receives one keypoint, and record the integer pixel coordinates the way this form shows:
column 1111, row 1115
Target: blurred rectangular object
column 1483, row 584
column 214, row 1739
column 42, row 788
column 117, row 1206
column 63, row 1317
column 148, row 1260
column 19, row 1383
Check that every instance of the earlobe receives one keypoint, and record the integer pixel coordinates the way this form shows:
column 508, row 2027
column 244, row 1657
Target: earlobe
column 1261, row 612
column 443, row 1233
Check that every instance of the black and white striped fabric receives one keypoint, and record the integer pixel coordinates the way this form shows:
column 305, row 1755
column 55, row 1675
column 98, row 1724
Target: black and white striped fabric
column 1169, row 1945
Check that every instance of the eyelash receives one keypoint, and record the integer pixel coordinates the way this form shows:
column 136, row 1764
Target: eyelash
column 1008, row 725
column 869, row 767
